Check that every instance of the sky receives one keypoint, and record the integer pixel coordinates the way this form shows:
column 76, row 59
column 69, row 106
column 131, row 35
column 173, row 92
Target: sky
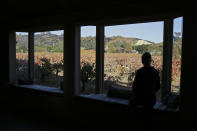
column 152, row 31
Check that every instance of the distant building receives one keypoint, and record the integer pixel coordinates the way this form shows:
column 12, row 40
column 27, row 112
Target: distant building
column 51, row 51
column 143, row 42
column 134, row 51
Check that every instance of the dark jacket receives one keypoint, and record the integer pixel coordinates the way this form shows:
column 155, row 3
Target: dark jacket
column 145, row 86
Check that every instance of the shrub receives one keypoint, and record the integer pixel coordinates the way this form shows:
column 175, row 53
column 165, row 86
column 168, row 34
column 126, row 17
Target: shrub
column 87, row 72
column 45, row 68
column 58, row 66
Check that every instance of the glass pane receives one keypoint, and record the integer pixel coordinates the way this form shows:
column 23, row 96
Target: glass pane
column 88, row 59
column 48, row 58
column 176, row 55
column 21, row 57
column 124, row 46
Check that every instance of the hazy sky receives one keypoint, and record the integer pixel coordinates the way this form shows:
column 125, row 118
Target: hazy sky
column 148, row 31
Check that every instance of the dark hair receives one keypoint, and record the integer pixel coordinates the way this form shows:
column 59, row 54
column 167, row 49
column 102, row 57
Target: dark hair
column 146, row 59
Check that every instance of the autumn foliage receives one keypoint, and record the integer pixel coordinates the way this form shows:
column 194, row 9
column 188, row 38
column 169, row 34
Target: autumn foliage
column 117, row 66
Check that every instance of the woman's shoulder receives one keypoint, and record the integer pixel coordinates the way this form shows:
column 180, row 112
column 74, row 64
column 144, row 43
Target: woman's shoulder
column 151, row 68
column 155, row 70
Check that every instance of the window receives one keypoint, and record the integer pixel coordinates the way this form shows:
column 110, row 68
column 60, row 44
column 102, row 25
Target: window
column 176, row 55
column 39, row 58
column 88, row 59
column 124, row 46
column 22, row 57
column 117, row 49
column 48, row 58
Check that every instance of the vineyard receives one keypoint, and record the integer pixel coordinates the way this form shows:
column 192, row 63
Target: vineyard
column 119, row 68
column 48, row 68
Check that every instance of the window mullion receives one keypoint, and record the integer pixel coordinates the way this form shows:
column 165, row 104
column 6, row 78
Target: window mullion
column 167, row 58
column 71, row 59
column 77, row 59
column 31, row 56
column 12, row 57
column 99, row 58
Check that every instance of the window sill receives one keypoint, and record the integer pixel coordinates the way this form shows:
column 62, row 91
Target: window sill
column 103, row 98
column 41, row 88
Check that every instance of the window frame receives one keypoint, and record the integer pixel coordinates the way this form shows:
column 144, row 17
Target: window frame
column 168, row 29
column 12, row 50
column 167, row 51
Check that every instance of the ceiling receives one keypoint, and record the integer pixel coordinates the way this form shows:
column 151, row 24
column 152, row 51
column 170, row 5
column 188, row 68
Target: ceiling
column 16, row 12
column 19, row 8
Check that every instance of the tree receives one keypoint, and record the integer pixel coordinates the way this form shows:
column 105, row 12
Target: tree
column 58, row 66
column 177, row 36
column 87, row 73
column 128, row 47
column 142, row 48
column 46, row 68
column 111, row 48
column 88, row 42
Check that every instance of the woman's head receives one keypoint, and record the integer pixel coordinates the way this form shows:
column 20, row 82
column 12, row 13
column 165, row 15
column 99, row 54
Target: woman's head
column 146, row 59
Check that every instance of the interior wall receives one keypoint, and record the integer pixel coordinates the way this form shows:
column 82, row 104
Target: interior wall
column 189, row 68
column 4, row 53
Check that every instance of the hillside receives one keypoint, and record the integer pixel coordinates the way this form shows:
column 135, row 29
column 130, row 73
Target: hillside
column 48, row 42
column 43, row 42
column 48, row 39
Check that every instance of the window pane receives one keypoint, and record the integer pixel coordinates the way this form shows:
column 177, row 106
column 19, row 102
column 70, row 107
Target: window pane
column 21, row 57
column 124, row 46
column 88, row 59
column 176, row 58
column 48, row 58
